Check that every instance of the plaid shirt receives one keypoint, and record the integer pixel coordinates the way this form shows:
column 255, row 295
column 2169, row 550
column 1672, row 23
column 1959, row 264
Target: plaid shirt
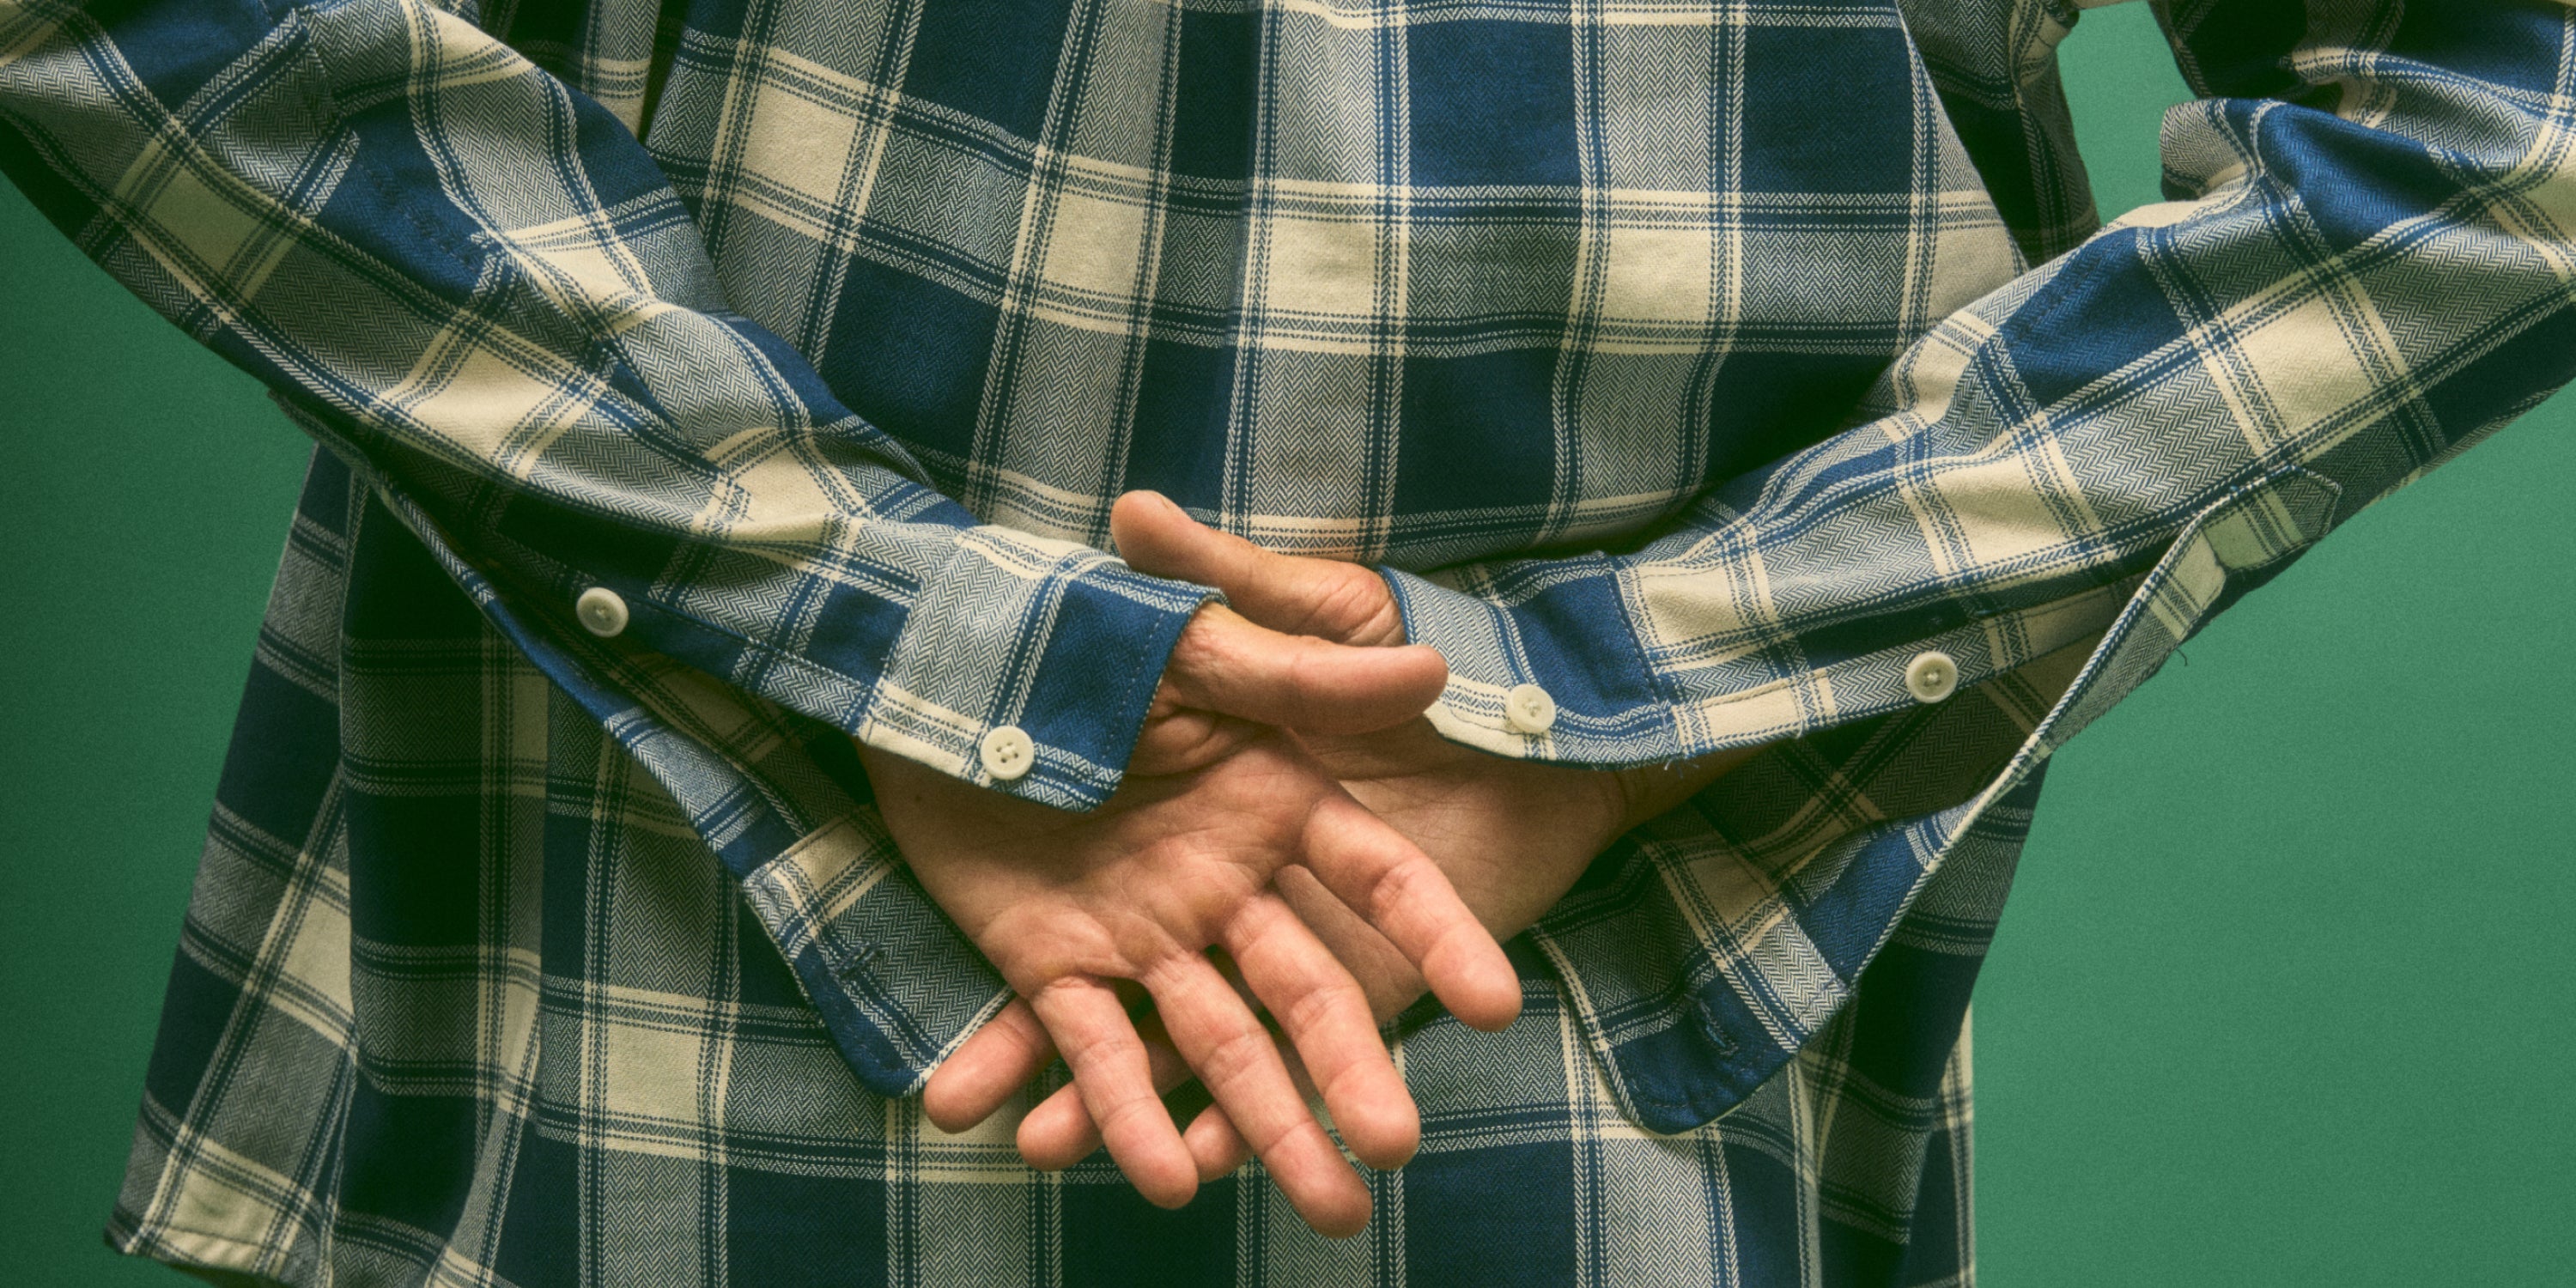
column 1686, row 359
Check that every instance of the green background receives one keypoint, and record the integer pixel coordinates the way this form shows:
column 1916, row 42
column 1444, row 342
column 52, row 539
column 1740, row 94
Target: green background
column 2284, row 996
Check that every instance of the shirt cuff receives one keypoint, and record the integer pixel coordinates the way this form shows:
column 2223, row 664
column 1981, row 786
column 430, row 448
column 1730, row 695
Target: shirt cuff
column 1557, row 627
column 921, row 637
column 1064, row 644
column 1708, row 947
column 783, row 804
column 1568, row 629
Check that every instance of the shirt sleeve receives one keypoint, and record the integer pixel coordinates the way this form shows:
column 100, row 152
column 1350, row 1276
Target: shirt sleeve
column 476, row 283
column 2365, row 267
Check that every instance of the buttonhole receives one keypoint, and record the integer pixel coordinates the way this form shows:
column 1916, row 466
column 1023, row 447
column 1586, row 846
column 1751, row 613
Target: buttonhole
column 1711, row 1029
column 859, row 959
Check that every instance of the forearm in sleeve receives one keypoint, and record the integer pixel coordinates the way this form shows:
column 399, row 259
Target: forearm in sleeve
column 476, row 283
column 2366, row 267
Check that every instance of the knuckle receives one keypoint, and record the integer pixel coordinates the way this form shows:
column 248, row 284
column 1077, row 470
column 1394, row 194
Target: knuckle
column 1191, row 652
column 1302, row 668
column 1208, row 648
column 1384, row 623
column 1235, row 1056
column 1406, row 889
column 1330, row 1083
column 1354, row 606
column 1313, row 1010
column 1116, row 1117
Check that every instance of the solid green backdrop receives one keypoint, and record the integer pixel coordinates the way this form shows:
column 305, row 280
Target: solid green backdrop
column 2284, row 996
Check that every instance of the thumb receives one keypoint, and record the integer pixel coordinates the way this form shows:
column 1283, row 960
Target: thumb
column 1338, row 601
column 1228, row 665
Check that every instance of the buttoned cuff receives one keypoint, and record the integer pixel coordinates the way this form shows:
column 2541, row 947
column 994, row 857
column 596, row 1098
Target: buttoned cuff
column 1026, row 667
column 783, row 804
column 1542, row 665
column 931, row 638
column 1546, row 663
column 1709, row 946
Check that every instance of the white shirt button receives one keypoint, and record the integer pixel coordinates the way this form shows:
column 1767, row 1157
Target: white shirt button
column 1529, row 709
column 1931, row 676
column 1007, row 752
column 601, row 612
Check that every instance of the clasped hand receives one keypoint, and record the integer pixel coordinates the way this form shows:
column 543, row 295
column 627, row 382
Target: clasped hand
column 1290, row 835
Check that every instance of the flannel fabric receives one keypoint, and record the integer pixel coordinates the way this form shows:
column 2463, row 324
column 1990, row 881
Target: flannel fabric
column 1686, row 359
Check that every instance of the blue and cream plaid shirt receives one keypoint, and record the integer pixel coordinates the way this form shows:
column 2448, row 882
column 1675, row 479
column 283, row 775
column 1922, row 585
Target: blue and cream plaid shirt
column 1706, row 363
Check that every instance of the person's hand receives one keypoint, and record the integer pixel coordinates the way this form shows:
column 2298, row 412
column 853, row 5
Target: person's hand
column 1512, row 835
column 1181, row 859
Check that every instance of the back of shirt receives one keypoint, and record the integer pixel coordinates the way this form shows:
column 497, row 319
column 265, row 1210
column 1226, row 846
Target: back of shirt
column 1411, row 283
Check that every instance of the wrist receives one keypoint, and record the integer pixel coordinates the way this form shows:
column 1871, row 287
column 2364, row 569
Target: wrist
column 1646, row 791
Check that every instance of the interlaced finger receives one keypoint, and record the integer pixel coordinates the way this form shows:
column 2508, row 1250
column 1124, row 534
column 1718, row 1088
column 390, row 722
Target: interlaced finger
column 1218, row 1148
column 1115, row 1076
column 1388, row 880
column 1238, row 1061
column 1226, row 664
column 1343, row 602
column 999, row 1059
column 1059, row 1133
column 1321, row 1008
